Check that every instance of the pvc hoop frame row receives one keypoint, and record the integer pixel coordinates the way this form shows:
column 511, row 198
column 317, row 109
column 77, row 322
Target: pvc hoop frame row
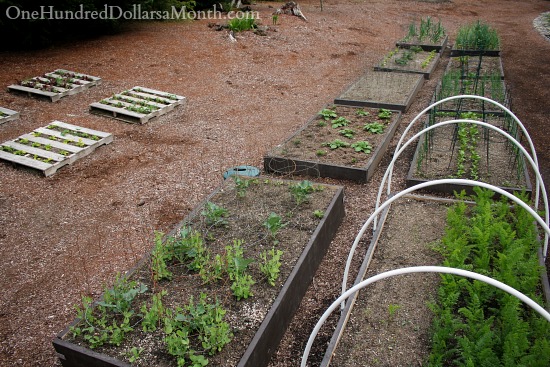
column 418, row 269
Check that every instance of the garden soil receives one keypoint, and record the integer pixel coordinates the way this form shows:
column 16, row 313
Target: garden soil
column 68, row 235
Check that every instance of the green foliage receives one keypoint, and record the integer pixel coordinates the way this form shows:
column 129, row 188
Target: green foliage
column 301, row 191
column 477, row 36
column 348, row 133
column 374, row 127
column 320, row 152
column 134, row 354
column 328, row 114
column 214, row 214
column 476, row 324
column 271, row 265
column 159, row 255
column 241, row 186
column 339, row 122
column 236, row 268
column 273, row 224
column 362, row 146
column 384, row 114
column 242, row 24
column 335, row 144
column 153, row 315
column 319, row 214
column 361, row 112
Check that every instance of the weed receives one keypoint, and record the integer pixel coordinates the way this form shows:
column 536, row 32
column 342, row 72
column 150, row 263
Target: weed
column 242, row 24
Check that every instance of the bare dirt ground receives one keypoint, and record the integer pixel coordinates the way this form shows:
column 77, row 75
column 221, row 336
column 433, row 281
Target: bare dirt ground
column 68, row 235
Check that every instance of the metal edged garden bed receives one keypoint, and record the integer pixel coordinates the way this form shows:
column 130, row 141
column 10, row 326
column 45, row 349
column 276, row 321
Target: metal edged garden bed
column 424, row 45
column 271, row 330
column 416, row 65
column 378, row 89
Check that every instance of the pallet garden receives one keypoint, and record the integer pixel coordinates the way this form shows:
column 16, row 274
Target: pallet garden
column 7, row 115
column 378, row 89
column 51, row 147
column 55, row 85
column 221, row 288
column 340, row 142
column 137, row 105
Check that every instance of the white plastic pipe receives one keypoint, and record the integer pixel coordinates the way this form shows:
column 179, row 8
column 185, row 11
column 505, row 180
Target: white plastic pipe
column 418, row 269
column 522, row 127
column 481, row 123
column 457, row 181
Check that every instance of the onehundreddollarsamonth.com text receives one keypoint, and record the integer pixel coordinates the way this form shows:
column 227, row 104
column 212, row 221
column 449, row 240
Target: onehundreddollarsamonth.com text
column 116, row 12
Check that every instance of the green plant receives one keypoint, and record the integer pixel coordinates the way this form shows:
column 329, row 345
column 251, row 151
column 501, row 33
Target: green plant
column 406, row 56
column 384, row 114
column 320, row 152
column 271, row 265
column 428, row 59
column 336, row 143
column 241, row 186
column 301, row 191
column 477, row 36
column 273, row 224
column 321, row 123
column 153, row 316
column 134, row 354
column 214, row 214
column 362, row 146
column 319, row 214
column 361, row 112
column 374, row 128
column 348, row 133
column 392, row 310
column 242, row 24
column 339, row 122
column 236, row 268
column 327, row 114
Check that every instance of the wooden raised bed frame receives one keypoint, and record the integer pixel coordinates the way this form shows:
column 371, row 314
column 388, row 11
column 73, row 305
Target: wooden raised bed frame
column 273, row 327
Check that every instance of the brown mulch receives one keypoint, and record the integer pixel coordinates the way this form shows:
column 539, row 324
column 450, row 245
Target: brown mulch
column 68, row 235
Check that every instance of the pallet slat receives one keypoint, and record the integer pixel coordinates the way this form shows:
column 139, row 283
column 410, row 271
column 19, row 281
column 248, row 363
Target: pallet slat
column 7, row 115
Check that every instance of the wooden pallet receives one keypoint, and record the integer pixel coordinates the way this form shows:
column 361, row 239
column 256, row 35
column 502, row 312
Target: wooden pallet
column 40, row 86
column 137, row 105
column 7, row 115
column 49, row 148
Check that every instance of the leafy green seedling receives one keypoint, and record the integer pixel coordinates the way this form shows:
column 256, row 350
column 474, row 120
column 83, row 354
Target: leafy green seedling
column 384, row 114
column 374, row 128
column 319, row 214
column 271, row 266
column 336, row 143
column 361, row 112
column 362, row 146
column 348, row 133
column 214, row 214
column 340, row 122
column 273, row 224
column 328, row 114
column 301, row 191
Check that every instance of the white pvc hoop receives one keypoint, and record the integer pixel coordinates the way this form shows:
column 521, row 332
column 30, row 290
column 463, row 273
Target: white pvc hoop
column 531, row 161
column 498, row 190
column 418, row 269
column 523, row 129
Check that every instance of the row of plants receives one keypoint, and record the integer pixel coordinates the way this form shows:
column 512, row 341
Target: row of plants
column 58, row 81
column 413, row 56
column 341, row 135
column 476, row 324
column 478, row 36
column 474, row 67
column 194, row 292
column 427, row 32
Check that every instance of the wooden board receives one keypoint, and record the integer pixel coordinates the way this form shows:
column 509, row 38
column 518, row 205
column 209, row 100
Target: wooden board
column 7, row 115
column 55, row 85
column 137, row 105
column 49, row 148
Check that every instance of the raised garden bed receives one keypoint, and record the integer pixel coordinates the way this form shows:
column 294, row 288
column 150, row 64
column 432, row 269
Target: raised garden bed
column 472, row 67
column 391, row 322
column 137, row 105
column 469, row 152
column 490, row 86
column 7, row 115
column 318, row 149
column 426, row 45
column 55, row 85
column 239, row 215
column 476, row 38
column 393, row 91
column 428, row 34
column 49, row 148
column 410, row 60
